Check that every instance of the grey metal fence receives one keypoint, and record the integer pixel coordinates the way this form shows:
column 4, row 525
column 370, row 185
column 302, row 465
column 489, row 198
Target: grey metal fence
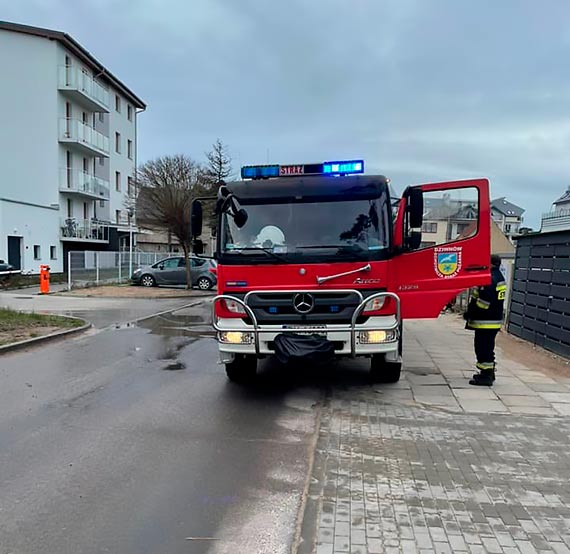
column 91, row 268
column 540, row 301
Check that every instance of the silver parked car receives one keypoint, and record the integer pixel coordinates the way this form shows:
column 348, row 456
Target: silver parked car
column 172, row 271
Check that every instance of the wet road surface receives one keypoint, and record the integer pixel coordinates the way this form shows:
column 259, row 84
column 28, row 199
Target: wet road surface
column 106, row 447
column 101, row 312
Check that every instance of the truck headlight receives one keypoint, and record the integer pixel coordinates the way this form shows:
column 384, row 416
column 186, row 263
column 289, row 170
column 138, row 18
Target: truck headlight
column 376, row 337
column 235, row 337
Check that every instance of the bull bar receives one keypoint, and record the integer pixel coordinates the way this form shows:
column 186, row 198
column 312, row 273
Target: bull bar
column 257, row 329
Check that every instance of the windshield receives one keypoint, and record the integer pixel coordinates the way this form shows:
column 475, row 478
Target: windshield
column 356, row 229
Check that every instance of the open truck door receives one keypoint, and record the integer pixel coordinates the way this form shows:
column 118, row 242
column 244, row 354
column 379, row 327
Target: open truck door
column 442, row 244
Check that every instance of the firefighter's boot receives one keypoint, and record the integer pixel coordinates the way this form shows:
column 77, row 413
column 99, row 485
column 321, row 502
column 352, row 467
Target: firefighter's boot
column 483, row 379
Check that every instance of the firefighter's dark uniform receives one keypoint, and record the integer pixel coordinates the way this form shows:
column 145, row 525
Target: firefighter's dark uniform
column 485, row 317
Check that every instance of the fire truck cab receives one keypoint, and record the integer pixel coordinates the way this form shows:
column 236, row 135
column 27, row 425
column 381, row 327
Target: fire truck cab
column 318, row 261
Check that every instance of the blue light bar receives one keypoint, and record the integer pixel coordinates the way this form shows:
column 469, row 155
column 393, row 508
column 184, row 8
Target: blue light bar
column 349, row 167
column 346, row 167
column 259, row 171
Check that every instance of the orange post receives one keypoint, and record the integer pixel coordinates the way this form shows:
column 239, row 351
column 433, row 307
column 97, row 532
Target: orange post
column 44, row 279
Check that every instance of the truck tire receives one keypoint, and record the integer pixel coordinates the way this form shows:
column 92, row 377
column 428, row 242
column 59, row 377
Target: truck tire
column 382, row 371
column 242, row 370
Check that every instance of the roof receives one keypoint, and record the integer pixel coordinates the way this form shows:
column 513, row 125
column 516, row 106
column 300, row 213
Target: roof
column 446, row 207
column 507, row 208
column 564, row 198
column 73, row 46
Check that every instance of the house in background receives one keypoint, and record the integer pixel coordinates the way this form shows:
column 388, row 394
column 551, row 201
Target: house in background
column 507, row 216
column 558, row 219
column 68, row 143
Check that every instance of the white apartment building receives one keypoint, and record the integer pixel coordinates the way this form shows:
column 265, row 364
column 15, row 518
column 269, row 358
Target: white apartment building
column 68, row 136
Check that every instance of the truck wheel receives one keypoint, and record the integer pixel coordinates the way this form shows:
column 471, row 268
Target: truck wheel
column 243, row 369
column 382, row 371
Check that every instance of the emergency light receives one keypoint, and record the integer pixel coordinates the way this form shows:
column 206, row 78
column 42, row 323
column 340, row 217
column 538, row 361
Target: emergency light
column 259, row 171
column 343, row 167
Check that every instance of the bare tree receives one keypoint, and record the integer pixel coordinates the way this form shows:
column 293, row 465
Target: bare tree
column 166, row 186
column 217, row 170
column 219, row 165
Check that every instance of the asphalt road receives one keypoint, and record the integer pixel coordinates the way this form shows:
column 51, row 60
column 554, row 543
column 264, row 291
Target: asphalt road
column 105, row 448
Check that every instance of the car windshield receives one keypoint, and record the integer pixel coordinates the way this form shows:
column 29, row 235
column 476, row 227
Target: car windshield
column 355, row 229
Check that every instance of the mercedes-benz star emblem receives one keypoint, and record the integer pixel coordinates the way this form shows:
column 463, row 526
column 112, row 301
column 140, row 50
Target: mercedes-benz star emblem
column 303, row 303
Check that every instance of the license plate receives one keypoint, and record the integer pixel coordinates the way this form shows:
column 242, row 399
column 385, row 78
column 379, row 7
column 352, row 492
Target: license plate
column 308, row 329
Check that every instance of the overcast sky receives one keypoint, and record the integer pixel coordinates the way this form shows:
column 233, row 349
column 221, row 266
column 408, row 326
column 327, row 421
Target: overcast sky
column 423, row 90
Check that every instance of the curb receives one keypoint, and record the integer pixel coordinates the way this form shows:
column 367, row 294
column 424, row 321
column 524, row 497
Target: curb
column 45, row 338
column 167, row 297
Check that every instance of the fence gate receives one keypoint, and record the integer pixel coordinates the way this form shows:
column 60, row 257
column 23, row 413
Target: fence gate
column 540, row 301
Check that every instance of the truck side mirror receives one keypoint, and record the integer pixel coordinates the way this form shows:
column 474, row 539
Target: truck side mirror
column 415, row 207
column 413, row 240
column 196, row 219
column 197, row 247
column 240, row 218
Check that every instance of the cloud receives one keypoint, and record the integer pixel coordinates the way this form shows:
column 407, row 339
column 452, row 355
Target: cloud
column 422, row 90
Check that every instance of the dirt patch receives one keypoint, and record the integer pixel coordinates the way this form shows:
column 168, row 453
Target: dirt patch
column 526, row 353
column 128, row 291
column 22, row 333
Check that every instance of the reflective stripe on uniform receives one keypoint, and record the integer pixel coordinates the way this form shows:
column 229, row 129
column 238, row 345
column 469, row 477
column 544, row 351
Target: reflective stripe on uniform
column 484, row 324
column 483, row 304
column 502, row 285
column 485, row 366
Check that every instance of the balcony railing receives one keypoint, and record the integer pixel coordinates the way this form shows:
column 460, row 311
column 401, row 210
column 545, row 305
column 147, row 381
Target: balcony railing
column 556, row 214
column 75, row 79
column 558, row 220
column 77, row 181
column 75, row 131
column 88, row 230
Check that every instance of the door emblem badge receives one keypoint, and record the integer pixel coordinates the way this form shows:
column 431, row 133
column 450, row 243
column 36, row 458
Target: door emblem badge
column 447, row 261
column 303, row 303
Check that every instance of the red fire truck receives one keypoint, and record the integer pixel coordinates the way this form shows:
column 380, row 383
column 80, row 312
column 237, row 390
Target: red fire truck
column 320, row 260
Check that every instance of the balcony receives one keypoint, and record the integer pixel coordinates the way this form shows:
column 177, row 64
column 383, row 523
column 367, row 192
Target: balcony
column 79, row 86
column 75, row 181
column 558, row 220
column 77, row 134
column 84, row 230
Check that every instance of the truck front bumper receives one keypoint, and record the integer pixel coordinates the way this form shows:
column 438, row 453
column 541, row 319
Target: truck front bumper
column 377, row 335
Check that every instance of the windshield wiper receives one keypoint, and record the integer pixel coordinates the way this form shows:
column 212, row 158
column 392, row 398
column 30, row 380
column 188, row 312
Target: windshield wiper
column 342, row 249
column 259, row 249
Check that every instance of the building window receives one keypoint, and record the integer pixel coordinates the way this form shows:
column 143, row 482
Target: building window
column 37, row 252
column 130, row 149
column 429, row 227
column 118, row 216
column 130, row 187
column 117, row 103
column 85, row 210
column 118, row 143
column 69, row 208
column 101, row 117
column 118, row 181
column 53, row 253
column 129, row 112
column 101, row 161
column 101, row 203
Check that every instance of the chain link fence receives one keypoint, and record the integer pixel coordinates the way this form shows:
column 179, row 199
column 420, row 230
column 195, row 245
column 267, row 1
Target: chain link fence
column 91, row 268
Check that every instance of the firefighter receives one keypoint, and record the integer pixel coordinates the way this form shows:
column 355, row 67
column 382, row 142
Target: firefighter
column 485, row 316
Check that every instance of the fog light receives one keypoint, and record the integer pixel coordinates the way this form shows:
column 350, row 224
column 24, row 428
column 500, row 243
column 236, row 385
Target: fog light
column 376, row 337
column 235, row 337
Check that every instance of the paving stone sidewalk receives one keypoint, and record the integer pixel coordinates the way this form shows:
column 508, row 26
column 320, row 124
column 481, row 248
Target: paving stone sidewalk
column 431, row 465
